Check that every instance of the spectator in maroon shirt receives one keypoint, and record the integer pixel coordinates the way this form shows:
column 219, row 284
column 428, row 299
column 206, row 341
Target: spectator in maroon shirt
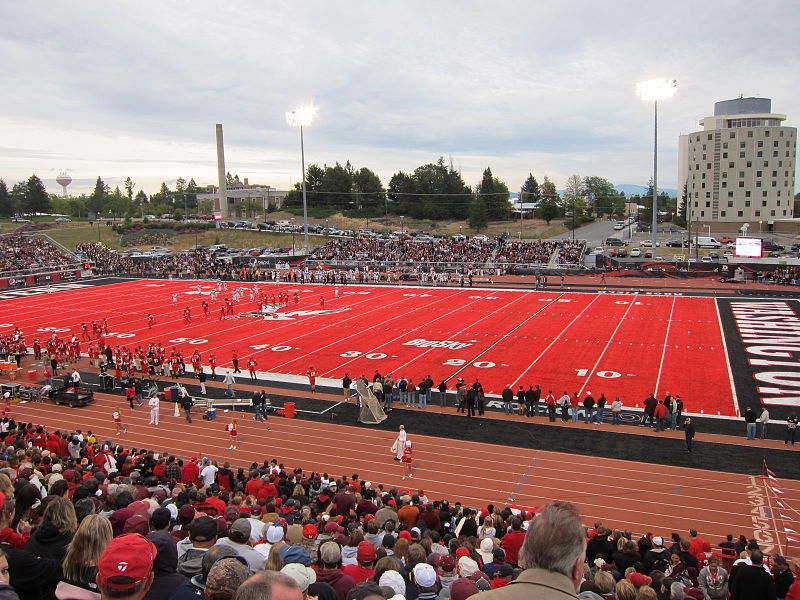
column 344, row 502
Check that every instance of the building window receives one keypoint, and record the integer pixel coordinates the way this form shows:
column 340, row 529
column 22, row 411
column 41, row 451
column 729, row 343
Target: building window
column 758, row 173
column 740, row 213
column 760, row 154
column 704, row 156
column 774, row 173
column 724, row 184
column 747, row 194
column 774, row 184
column 760, row 144
column 764, row 193
column 730, row 194
column 766, row 133
column 747, row 203
column 724, row 155
column 749, row 134
column 772, row 213
column 775, row 144
column 758, row 183
column 708, row 194
column 763, row 203
column 708, row 204
column 749, row 163
column 730, row 203
column 758, row 213
column 704, row 147
column 730, row 165
column 702, row 213
column 732, row 135
column 724, row 145
column 741, row 184
column 741, row 144
column 709, row 137
column 741, row 154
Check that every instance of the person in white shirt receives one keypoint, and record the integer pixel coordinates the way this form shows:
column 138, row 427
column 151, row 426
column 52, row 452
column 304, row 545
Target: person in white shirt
column 208, row 473
column 153, row 403
column 763, row 420
column 75, row 378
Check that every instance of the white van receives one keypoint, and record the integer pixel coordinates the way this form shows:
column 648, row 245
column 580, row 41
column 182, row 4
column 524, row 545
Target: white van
column 707, row 242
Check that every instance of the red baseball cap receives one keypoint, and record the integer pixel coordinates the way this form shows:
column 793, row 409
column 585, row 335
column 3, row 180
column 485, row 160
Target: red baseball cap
column 310, row 531
column 127, row 560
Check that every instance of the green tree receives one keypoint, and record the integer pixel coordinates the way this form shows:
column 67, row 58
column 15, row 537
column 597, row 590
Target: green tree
column 36, row 199
column 77, row 206
column 478, row 214
column 797, row 204
column 192, row 190
column 205, row 207
column 179, row 198
column 402, row 193
column 548, row 209
column 368, row 189
column 548, row 191
column 129, row 185
column 337, row 187
column 603, row 198
column 17, row 194
column 97, row 199
column 495, row 195
column 6, row 205
column 680, row 218
column 530, row 190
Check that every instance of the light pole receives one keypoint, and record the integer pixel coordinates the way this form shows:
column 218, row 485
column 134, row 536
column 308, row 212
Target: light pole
column 401, row 224
column 292, row 220
column 301, row 117
column 759, row 226
column 654, row 90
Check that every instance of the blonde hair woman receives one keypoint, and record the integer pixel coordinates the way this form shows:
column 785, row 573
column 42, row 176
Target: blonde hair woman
column 487, row 530
column 59, row 524
column 625, row 590
column 604, row 580
column 79, row 566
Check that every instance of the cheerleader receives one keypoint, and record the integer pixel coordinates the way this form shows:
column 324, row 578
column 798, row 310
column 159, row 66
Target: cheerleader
column 117, row 416
column 231, row 429
column 408, row 459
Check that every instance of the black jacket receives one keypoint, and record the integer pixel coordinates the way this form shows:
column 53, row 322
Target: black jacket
column 753, row 583
column 32, row 577
column 48, row 542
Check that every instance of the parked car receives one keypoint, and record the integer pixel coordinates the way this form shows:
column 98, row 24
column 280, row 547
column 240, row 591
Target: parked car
column 706, row 259
column 636, row 252
column 612, row 241
column 72, row 398
column 480, row 238
column 63, row 220
column 649, row 244
column 459, row 237
column 676, row 244
column 619, row 225
column 622, row 253
column 598, row 250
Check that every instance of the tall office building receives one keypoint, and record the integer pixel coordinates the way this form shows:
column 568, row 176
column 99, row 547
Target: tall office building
column 740, row 168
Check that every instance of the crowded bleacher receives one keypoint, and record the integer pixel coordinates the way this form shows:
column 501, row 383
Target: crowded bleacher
column 449, row 251
column 75, row 507
column 21, row 253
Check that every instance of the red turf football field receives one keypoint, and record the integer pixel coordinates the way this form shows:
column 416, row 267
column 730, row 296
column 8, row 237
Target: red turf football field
column 625, row 345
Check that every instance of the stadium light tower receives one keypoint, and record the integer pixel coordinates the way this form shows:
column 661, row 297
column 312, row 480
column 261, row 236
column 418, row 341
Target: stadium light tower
column 654, row 90
column 302, row 117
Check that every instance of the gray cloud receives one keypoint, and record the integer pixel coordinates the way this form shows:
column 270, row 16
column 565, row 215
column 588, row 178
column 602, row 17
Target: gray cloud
column 116, row 89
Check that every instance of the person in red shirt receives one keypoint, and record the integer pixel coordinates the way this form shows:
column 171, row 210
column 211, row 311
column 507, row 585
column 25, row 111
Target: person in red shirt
column 312, row 378
column 696, row 546
column 253, row 485
column 363, row 571
column 213, row 499
column 191, row 472
column 512, row 541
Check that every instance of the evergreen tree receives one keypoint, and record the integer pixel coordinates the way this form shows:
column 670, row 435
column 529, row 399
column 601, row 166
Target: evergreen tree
column 97, row 198
column 36, row 199
column 530, row 192
column 478, row 214
column 6, row 205
column 129, row 185
column 495, row 196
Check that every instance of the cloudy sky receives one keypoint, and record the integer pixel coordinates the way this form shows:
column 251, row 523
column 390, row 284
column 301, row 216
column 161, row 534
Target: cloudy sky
column 134, row 89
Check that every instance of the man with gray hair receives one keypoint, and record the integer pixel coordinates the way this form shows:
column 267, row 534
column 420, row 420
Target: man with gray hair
column 552, row 556
column 269, row 585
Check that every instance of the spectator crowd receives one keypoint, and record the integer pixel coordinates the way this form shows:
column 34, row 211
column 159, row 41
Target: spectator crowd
column 27, row 253
column 82, row 517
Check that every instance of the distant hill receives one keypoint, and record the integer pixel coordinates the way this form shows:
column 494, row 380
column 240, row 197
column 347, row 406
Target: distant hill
column 631, row 189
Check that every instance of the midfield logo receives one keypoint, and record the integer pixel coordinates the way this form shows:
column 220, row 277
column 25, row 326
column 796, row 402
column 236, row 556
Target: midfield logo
column 269, row 315
column 452, row 345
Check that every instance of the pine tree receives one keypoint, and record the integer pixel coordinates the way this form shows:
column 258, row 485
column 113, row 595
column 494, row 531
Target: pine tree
column 36, row 199
column 6, row 205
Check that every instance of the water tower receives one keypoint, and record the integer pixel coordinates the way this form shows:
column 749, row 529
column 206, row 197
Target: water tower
column 64, row 180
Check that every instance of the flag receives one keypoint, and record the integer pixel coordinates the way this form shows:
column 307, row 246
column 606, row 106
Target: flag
column 776, row 490
column 781, row 504
column 791, row 539
column 783, row 516
column 770, row 473
column 772, row 477
column 787, row 530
